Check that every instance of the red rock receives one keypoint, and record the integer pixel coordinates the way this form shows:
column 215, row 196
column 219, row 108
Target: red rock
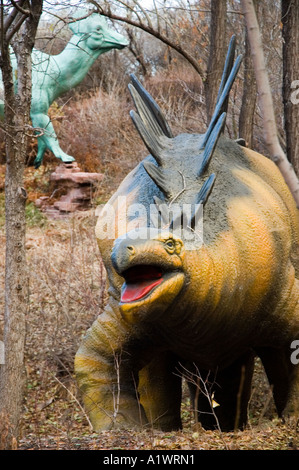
column 80, row 186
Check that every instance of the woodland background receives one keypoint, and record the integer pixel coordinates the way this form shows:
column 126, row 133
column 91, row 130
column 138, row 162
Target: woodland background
column 66, row 274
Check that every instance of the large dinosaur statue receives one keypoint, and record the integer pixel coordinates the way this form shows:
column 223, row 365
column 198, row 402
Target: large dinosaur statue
column 180, row 305
column 53, row 75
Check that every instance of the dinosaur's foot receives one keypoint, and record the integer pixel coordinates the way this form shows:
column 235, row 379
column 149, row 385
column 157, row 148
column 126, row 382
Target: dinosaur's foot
column 66, row 158
column 37, row 163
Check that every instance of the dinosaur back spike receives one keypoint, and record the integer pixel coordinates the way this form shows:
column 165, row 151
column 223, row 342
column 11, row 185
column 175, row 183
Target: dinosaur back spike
column 149, row 120
column 221, row 104
column 176, row 221
column 206, row 189
column 162, row 209
column 160, row 142
column 202, row 197
column 152, row 107
column 150, row 140
column 145, row 114
column 229, row 61
column 212, row 142
column 157, row 175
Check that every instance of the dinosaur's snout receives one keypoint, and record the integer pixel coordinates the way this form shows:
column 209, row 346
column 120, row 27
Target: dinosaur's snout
column 122, row 255
column 127, row 253
column 163, row 250
column 112, row 39
column 146, row 264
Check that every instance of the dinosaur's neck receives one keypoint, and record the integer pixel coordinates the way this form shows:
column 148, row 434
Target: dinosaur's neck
column 74, row 62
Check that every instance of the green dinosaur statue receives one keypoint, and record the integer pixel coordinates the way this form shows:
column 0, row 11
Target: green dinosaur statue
column 53, row 75
column 186, row 302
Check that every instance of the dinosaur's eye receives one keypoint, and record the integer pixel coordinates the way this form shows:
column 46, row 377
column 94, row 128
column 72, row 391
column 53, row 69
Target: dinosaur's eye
column 170, row 245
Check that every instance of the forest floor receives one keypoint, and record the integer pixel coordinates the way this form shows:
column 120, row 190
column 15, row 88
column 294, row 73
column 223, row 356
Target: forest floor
column 67, row 292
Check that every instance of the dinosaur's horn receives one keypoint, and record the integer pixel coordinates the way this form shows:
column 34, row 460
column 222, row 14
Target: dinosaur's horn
column 228, row 78
column 149, row 120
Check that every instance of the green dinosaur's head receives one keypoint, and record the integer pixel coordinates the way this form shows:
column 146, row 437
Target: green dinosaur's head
column 94, row 29
column 152, row 264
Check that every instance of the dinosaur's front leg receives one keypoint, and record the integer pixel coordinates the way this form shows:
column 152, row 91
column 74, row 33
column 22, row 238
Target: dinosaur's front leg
column 47, row 139
column 160, row 389
column 106, row 373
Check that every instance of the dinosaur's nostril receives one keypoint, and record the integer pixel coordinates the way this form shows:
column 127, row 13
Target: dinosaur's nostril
column 131, row 249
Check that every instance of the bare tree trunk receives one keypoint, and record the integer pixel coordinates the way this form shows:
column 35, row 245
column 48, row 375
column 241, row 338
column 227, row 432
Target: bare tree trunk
column 265, row 100
column 218, row 47
column 290, row 34
column 17, row 110
column 247, row 111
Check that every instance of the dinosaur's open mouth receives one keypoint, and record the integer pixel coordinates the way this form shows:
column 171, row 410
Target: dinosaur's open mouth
column 139, row 281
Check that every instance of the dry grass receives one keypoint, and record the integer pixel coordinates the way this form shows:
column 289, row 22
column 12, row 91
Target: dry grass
column 180, row 94
column 66, row 293
column 98, row 131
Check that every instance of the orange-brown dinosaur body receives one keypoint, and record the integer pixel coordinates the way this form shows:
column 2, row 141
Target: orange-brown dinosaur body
column 180, row 305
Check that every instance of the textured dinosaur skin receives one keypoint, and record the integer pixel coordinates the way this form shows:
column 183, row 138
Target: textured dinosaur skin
column 211, row 309
column 54, row 75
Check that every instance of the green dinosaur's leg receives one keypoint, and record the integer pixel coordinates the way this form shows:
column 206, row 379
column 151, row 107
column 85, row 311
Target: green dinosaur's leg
column 229, row 392
column 40, row 153
column 160, row 389
column 106, row 374
column 48, row 139
column 283, row 375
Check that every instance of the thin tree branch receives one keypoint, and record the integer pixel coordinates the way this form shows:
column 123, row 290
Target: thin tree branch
column 145, row 14
column 9, row 19
column 76, row 400
column 19, row 8
column 155, row 33
column 16, row 27
column 2, row 28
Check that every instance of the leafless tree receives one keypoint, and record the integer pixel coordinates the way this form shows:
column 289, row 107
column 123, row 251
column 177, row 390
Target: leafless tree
column 218, row 47
column 290, row 33
column 266, row 102
column 19, row 21
column 248, row 107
